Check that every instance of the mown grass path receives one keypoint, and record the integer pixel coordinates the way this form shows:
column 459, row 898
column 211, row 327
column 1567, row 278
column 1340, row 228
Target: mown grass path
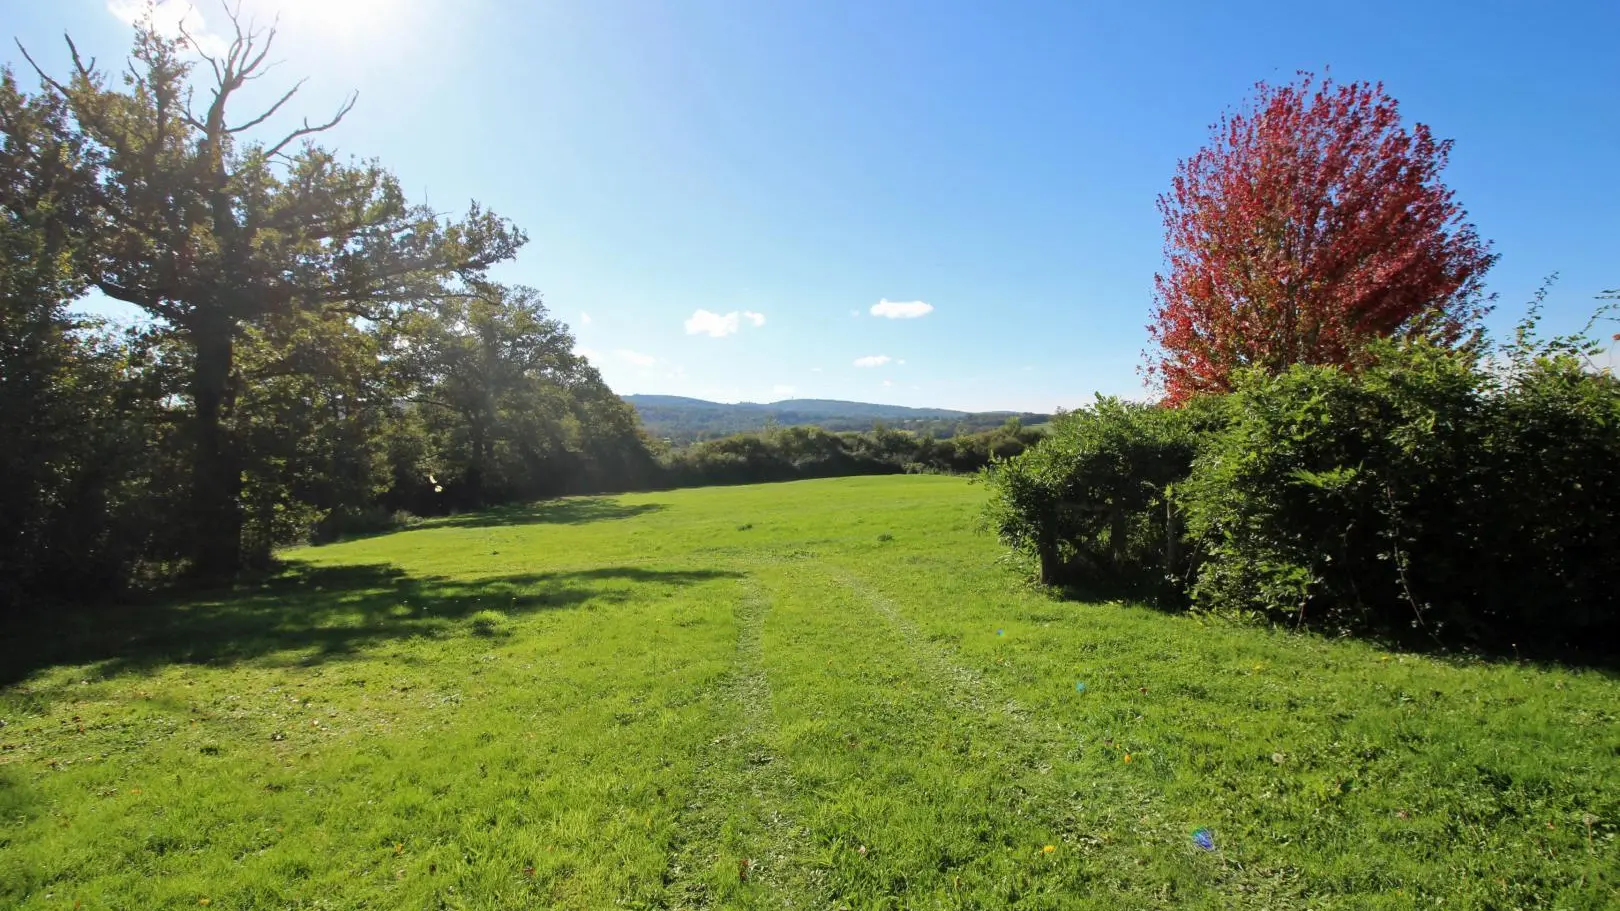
column 816, row 695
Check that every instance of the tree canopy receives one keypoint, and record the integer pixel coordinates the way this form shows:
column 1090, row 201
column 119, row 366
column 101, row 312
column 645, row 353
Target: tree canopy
column 1312, row 223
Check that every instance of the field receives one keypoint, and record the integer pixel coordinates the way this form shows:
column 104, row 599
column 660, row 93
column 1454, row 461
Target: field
column 826, row 694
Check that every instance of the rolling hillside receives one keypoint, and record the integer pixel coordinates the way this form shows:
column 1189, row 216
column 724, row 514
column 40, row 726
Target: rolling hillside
column 682, row 420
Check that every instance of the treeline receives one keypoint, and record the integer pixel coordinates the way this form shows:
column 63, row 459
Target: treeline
column 794, row 453
column 682, row 424
column 318, row 353
column 1435, row 495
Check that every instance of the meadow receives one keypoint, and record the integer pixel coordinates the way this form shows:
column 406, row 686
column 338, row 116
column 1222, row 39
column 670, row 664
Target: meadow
column 823, row 694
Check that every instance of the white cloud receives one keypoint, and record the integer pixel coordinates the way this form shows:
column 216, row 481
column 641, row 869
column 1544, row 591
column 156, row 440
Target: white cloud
column 901, row 310
column 785, row 392
column 720, row 325
column 815, row 369
column 888, row 383
column 584, row 318
column 590, row 354
column 168, row 19
column 855, row 313
column 901, row 362
column 633, row 357
column 873, row 360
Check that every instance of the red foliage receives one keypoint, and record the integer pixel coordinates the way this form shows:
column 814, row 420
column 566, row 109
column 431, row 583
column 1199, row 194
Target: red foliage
column 1312, row 223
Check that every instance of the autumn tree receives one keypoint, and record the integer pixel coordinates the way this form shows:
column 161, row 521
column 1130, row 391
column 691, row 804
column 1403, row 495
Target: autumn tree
column 1313, row 222
column 214, row 231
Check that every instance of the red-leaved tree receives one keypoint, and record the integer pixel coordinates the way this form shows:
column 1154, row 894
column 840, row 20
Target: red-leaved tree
column 1312, row 223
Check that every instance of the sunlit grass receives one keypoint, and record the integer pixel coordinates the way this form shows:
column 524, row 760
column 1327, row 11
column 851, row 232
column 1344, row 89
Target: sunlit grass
column 823, row 694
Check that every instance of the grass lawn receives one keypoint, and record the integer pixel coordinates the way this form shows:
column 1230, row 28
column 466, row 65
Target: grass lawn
column 826, row 694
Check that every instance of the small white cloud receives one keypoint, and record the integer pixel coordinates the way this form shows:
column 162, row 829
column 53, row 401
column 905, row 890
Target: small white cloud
column 888, row 383
column 590, row 354
column 855, row 313
column 704, row 322
column 584, row 318
column 635, row 357
column 815, row 369
column 901, row 310
column 782, row 391
column 901, row 362
column 872, row 360
column 720, row 325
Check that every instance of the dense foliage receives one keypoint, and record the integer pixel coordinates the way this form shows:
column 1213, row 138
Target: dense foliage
column 1312, row 223
column 1434, row 493
column 319, row 353
column 793, row 453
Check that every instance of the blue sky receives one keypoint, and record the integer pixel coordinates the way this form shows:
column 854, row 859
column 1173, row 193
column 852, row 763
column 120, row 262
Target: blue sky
column 785, row 166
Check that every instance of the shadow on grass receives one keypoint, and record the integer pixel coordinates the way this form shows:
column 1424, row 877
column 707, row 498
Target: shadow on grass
column 568, row 511
column 314, row 614
column 1156, row 594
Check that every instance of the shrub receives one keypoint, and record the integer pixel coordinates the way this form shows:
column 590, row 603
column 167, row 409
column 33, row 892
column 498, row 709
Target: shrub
column 1551, row 538
column 1424, row 496
column 1312, row 501
column 1092, row 497
column 1435, row 493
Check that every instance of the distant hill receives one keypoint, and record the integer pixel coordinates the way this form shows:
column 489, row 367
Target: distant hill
column 682, row 420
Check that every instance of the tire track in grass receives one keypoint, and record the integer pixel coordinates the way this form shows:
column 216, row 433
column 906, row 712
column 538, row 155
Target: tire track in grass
column 738, row 847
column 1034, row 747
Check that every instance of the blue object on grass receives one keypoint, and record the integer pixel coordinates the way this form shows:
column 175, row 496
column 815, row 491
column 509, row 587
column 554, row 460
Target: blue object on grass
column 1079, row 687
column 1205, row 839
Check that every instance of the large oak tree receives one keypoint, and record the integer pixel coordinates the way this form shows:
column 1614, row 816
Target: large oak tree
column 213, row 230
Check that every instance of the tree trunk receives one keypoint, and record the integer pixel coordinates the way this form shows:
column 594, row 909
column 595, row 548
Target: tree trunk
column 1050, row 565
column 216, row 484
column 1171, row 539
column 1116, row 537
column 474, row 478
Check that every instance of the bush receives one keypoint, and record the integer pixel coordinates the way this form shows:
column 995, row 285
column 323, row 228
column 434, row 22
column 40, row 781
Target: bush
column 351, row 521
column 1425, row 495
column 1434, row 494
column 810, row 452
column 1093, row 496
column 1315, row 498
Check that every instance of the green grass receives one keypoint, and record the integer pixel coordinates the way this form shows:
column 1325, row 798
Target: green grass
column 773, row 696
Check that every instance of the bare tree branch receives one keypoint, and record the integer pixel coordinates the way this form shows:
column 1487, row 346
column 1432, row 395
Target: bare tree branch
column 271, row 112
column 197, row 46
column 60, row 89
column 307, row 130
column 78, row 62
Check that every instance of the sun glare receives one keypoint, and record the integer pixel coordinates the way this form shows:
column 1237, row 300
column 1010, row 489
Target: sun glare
column 352, row 23
column 345, row 19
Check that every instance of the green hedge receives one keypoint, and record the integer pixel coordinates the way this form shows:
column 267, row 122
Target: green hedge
column 1434, row 494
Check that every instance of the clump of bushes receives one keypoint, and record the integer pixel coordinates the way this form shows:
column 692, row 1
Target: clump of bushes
column 1435, row 493
column 792, row 453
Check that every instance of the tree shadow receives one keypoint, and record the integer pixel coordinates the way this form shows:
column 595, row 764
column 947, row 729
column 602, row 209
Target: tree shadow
column 1160, row 595
column 567, row 511
column 311, row 614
